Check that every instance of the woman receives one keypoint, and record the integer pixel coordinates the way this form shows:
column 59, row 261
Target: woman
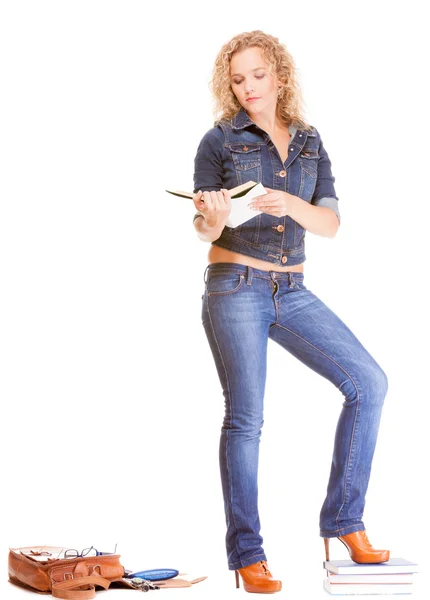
column 254, row 290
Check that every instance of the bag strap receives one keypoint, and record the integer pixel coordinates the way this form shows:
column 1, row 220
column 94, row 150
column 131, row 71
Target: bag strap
column 70, row 589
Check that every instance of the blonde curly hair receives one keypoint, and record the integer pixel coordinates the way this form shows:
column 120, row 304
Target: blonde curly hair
column 290, row 101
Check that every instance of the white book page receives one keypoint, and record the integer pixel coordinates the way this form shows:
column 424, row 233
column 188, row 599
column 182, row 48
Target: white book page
column 239, row 207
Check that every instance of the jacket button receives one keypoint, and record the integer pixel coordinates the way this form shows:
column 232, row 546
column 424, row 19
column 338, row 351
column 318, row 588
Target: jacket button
column 280, row 228
column 284, row 259
column 282, row 173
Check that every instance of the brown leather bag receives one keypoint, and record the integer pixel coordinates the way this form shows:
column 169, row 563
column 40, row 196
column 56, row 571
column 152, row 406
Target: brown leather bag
column 37, row 569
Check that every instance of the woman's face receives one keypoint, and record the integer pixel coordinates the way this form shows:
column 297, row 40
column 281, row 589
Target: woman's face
column 250, row 78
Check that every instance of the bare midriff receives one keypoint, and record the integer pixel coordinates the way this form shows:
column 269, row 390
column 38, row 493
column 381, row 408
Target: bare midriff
column 218, row 254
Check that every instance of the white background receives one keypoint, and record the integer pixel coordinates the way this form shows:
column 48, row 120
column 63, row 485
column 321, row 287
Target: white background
column 111, row 405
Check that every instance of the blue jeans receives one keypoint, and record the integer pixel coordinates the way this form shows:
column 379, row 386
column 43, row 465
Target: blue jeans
column 242, row 308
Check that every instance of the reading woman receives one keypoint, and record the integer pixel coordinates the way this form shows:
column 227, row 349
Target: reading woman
column 255, row 290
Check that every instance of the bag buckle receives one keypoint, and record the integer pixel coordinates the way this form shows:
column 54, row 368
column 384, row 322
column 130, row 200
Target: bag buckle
column 143, row 584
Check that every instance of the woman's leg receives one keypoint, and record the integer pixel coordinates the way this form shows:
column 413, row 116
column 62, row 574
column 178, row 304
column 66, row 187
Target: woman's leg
column 312, row 332
column 237, row 312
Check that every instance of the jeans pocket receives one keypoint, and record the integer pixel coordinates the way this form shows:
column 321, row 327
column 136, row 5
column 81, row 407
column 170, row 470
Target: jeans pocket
column 222, row 284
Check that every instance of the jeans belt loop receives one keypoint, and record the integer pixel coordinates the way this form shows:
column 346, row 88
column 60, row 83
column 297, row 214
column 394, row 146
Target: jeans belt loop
column 204, row 274
column 248, row 275
column 291, row 280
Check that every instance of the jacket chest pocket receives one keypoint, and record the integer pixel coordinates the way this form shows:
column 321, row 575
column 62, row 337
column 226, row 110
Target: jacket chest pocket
column 246, row 159
column 309, row 162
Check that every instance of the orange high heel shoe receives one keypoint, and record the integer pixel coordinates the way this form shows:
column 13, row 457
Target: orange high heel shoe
column 359, row 548
column 258, row 578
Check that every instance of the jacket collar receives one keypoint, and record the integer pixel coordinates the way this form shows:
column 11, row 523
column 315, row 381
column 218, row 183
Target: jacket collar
column 241, row 120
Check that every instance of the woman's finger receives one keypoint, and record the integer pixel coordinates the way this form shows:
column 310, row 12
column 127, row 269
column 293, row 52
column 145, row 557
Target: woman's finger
column 208, row 201
column 265, row 198
column 226, row 196
column 198, row 199
column 219, row 199
column 263, row 205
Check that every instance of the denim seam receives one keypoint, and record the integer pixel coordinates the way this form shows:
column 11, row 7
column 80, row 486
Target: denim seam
column 281, row 275
column 258, row 555
column 231, row 418
column 275, row 300
column 259, row 251
column 339, row 529
column 229, row 292
column 351, row 451
column 347, row 475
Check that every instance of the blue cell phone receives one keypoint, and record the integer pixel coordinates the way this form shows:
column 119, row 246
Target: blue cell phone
column 154, row 574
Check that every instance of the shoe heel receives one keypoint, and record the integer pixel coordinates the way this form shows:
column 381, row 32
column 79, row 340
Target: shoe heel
column 326, row 543
column 237, row 578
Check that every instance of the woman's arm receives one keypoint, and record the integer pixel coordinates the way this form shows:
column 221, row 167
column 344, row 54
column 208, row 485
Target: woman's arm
column 211, row 201
column 204, row 231
column 325, row 194
column 320, row 220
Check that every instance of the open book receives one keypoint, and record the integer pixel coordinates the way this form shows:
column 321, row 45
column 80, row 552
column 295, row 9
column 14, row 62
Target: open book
column 241, row 196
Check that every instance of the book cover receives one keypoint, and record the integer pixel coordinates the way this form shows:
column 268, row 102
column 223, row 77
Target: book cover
column 236, row 192
column 349, row 567
column 241, row 196
column 376, row 578
column 358, row 589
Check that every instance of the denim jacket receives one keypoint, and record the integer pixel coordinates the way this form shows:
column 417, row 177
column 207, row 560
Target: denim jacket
column 236, row 151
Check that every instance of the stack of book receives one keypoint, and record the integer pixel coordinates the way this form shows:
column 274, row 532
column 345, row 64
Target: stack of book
column 346, row 577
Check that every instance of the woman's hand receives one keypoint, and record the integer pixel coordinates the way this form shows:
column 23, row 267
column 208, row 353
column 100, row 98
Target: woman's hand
column 214, row 206
column 275, row 202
